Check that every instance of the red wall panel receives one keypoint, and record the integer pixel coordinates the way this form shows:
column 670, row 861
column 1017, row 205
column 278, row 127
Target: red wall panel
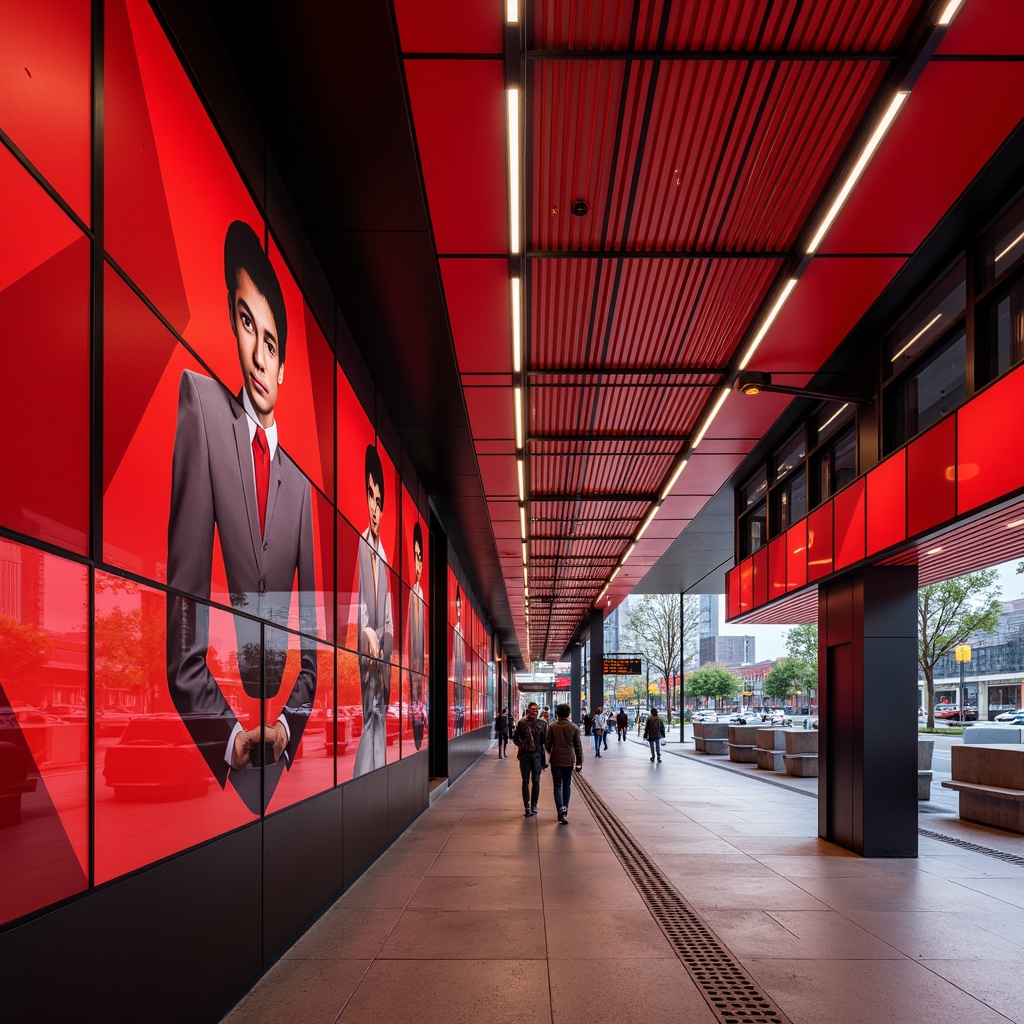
column 887, row 503
column 931, row 477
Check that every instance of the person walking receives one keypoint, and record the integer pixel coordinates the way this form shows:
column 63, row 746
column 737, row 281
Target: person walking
column 654, row 733
column 565, row 753
column 622, row 723
column 609, row 726
column 597, row 730
column 501, row 731
column 529, row 738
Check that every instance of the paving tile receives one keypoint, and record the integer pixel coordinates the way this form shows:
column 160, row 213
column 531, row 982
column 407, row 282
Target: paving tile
column 466, row 935
column 941, row 935
column 475, row 892
column 345, row 933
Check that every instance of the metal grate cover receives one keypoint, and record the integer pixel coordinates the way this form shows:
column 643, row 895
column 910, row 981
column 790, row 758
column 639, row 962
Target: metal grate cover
column 963, row 844
column 734, row 997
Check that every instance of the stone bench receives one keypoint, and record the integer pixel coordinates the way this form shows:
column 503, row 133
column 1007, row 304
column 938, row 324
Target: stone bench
column 801, row 757
column 711, row 737
column 770, row 749
column 742, row 743
column 990, row 780
column 924, row 768
column 993, row 734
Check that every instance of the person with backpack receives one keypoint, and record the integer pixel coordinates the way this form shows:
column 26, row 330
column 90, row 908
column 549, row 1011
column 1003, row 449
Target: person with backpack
column 565, row 751
column 501, row 731
column 654, row 733
column 529, row 738
column 597, row 730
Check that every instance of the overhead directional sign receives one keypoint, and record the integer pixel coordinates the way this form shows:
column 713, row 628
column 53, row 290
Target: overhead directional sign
column 621, row 665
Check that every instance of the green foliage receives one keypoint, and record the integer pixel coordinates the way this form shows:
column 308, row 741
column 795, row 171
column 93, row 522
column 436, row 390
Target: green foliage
column 713, row 681
column 788, row 678
column 947, row 614
column 802, row 646
column 24, row 650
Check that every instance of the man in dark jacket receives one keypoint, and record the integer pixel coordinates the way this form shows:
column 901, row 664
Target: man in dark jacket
column 654, row 733
column 529, row 738
column 565, row 752
column 621, row 723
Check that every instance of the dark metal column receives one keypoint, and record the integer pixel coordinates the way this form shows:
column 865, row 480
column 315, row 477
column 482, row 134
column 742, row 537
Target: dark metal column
column 867, row 692
column 575, row 683
column 438, row 678
column 596, row 697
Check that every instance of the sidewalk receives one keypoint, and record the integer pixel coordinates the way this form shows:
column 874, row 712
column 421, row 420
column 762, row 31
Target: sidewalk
column 480, row 914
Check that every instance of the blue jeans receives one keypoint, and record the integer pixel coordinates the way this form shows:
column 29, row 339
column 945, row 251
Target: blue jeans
column 562, row 778
column 598, row 740
column 655, row 747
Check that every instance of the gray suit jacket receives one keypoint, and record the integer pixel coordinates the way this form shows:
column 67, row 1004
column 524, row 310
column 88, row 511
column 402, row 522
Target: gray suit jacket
column 212, row 486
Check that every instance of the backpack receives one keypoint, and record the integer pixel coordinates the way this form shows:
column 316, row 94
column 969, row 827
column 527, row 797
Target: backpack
column 529, row 744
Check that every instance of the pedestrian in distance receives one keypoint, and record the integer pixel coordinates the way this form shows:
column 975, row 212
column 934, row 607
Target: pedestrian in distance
column 501, row 731
column 654, row 733
column 622, row 723
column 529, row 738
column 597, row 731
column 609, row 726
column 565, row 754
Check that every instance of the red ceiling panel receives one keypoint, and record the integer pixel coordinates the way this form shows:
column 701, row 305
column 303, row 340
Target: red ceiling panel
column 684, row 505
column 459, row 112
column 477, row 293
column 491, row 413
column 986, row 27
column 450, row 26
column 833, row 294
column 704, row 474
column 560, row 328
column 499, row 474
column 892, row 211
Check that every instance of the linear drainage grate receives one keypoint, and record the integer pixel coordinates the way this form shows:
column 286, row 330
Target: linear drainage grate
column 730, row 992
column 963, row 844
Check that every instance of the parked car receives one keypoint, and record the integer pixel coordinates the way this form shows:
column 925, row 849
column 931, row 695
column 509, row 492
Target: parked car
column 704, row 716
column 948, row 711
column 1008, row 716
column 156, row 759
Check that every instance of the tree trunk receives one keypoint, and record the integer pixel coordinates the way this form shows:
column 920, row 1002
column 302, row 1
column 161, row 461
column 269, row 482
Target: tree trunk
column 929, row 694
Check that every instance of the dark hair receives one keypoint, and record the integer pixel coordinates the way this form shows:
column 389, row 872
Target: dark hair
column 244, row 251
column 654, row 711
column 417, row 536
column 562, row 710
column 373, row 470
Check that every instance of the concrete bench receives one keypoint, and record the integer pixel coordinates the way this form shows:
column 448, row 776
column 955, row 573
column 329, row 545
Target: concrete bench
column 711, row 737
column 742, row 743
column 924, row 768
column 990, row 781
column 993, row 734
column 770, row 749
column 801, row 757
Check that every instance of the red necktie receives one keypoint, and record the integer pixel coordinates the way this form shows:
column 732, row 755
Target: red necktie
column 261, row 461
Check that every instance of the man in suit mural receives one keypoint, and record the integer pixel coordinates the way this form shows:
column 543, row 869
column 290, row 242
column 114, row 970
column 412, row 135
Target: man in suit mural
column 376, row 631
column 417, row 641
column 230, row 476
column 458, row 669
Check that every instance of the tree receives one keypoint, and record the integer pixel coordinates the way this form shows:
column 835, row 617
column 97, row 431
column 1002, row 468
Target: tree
column 652, row 630
column 947, row 614
column 713, row 681
column 24, row 650
column 788, row 678
column 802, row 646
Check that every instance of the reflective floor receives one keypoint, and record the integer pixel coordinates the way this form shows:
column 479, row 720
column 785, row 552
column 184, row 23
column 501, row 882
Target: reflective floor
column 480, row 914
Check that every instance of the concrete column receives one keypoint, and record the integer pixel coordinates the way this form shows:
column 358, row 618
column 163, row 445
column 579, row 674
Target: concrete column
column 867, row 691
column 596, row 697
column 576, row 683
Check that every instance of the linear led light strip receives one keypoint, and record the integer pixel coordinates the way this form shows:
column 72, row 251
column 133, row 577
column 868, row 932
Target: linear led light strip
column 858, row 168
column 947, row 15
column 931, row 323
column 512, row 11
column 513, row 168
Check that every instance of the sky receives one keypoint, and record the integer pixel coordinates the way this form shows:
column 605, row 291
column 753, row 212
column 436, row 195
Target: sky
column 769, row 641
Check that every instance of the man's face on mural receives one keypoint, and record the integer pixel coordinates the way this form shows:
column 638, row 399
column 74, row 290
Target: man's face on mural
column 259, row 353
column 374, row 505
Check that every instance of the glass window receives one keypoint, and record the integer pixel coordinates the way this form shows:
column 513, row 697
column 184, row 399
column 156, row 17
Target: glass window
column 838, row 464
column 790, row 455
column 927, row 321
column 754, row 529
column 753, row 490
column 831, row 418
column 1004, row 337
column 1004, row 244
column 924, row 397
column 789, row 502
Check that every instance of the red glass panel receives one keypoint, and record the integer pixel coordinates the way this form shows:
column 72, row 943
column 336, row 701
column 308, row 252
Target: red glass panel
column 355, row 433
column 931, row 480
column 819, row 542
column 887, row 503
column 163, row 156
column 44, row 309
column 760, row 583
column 350, row 713
column 777, row 567
column 44, row 729
column 987, row 471
column 164, row 782
column 796, row 555
column 747, row 585
column 307, row 679
column 457, row 682
column 732, row 592
column 46, row 92
column 849, row 524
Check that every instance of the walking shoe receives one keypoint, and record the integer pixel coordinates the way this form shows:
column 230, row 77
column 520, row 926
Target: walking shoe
column 652, row 758
column 526, row 813
column 659, row 760
column 533, row 810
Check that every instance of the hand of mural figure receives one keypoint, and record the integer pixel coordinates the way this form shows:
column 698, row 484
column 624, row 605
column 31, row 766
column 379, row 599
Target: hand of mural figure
column 275, row 734
column 372, row 643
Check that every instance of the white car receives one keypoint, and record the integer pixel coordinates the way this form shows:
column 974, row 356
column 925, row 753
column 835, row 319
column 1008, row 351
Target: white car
column 1007, row 716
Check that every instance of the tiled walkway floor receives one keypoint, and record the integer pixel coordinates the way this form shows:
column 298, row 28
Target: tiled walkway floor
column 478, row 914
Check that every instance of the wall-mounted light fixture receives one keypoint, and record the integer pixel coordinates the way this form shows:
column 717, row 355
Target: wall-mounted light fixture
column 753, row 382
